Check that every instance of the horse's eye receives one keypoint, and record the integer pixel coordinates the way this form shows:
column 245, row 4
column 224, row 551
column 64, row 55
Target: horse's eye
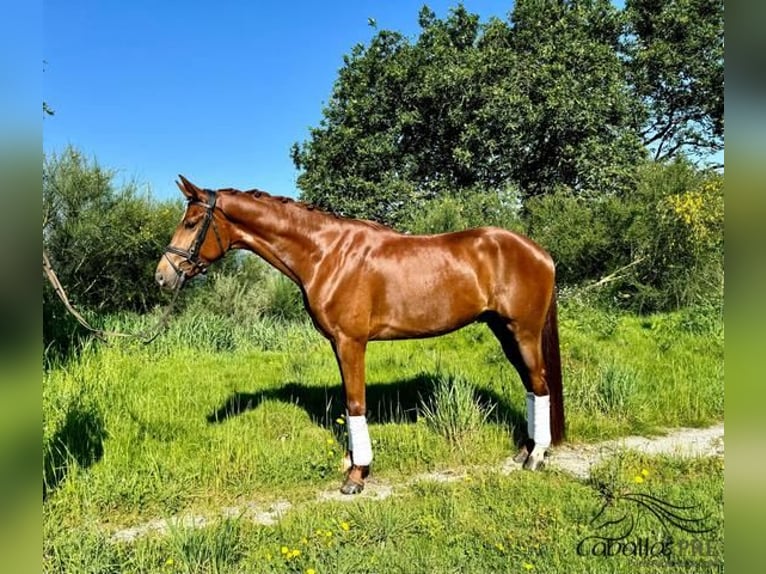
column 189, row 223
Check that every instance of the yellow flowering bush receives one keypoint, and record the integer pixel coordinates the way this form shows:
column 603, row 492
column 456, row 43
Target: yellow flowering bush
column 701, row 211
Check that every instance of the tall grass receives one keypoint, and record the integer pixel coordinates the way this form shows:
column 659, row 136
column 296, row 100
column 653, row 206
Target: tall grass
column 220, row 410
column 452, row 410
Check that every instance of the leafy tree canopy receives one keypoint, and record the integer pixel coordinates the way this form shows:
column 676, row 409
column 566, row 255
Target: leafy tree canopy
column 675, row 62
column 564, row 93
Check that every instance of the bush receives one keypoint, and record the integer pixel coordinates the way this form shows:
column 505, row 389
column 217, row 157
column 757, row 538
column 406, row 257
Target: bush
column 676, row 236
column 103, row 242
column 657, row 249
column 578, row 231
column 246, row 290
column 283, row 298
column 232, row 289
column 474, row 208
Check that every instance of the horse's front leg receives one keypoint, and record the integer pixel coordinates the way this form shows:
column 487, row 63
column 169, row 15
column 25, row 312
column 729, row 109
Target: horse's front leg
column 350, row 355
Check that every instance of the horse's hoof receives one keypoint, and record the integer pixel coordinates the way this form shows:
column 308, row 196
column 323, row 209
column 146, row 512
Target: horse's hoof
column 521, row 456
column 351, row 487
column 535, row 460
column 533, row 463
column 527, row 447
column 354, row 483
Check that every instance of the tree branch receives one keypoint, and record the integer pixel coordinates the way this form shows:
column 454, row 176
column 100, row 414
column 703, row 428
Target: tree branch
column 614, row 275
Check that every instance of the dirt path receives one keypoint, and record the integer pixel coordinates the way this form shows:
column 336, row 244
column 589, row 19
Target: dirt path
column 576, row 460
column 579, row 459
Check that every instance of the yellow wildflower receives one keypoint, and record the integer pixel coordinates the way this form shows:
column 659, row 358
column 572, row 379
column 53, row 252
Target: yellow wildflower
column 345, row 526
column 638, row 479
column 311, row 571
column 284, row 550
column 645, row 473
column 340, row 421
column 527, row 565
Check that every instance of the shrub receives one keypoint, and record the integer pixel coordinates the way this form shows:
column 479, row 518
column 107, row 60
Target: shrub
column 284, row 300
column 247, row 290
column 474, row 208
column 676, row 235
column 657, row 249
column 232, row 289
column 577, row 230
column 104, row 243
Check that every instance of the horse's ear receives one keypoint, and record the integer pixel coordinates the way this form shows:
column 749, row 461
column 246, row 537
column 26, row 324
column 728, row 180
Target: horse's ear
column 190, row 190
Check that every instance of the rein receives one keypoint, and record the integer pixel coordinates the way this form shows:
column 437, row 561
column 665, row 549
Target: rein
column 145, row 336
column 190, row 256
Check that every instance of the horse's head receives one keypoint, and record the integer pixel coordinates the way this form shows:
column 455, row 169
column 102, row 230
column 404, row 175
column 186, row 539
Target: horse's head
column 200, row 238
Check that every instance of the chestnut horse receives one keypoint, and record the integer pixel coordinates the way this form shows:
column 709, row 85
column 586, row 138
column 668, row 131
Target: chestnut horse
column 362, row 281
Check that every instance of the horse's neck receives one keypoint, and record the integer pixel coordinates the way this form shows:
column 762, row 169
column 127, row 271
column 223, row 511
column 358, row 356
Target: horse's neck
column 282, row 234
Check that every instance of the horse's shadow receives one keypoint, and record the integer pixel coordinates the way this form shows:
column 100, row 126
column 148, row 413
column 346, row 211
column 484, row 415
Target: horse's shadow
column 399, row 401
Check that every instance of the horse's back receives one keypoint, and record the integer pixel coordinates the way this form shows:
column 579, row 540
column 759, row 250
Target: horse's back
column 424, row 285
column 495, row 248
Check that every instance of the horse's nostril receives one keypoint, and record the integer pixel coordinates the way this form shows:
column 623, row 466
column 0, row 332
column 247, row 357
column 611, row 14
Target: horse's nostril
column 160, row 278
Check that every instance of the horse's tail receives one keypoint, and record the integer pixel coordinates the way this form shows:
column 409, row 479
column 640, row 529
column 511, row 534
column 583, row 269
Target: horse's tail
column 552, row 358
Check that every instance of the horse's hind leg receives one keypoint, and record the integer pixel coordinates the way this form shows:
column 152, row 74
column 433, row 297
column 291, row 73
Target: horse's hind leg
column 524, row 352
column 538, row 398
column 502, row 331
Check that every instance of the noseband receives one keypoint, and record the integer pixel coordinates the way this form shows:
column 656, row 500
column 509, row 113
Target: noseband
column 191, row 255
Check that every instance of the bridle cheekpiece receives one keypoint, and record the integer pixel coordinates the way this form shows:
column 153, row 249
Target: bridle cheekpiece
column 191, row 255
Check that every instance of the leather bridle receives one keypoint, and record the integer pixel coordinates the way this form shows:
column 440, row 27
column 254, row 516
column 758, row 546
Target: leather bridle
column 191, row 255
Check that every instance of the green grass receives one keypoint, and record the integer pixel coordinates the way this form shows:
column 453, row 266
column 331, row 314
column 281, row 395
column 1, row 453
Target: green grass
column 216, row 412
column 484, row 523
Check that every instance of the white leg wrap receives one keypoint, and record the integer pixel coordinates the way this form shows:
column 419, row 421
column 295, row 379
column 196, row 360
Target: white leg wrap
column 359, row 440
column 531, row 415
column 541, row 427
column 350, row 438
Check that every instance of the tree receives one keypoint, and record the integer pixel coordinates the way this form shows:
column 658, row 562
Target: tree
column 103, row 242
column 392, row 133
column 576, row 119
column 675, row 59
column 534, row 103
column 348, row 163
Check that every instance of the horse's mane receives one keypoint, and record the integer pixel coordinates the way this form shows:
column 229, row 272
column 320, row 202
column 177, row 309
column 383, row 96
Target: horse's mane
column 260, row 194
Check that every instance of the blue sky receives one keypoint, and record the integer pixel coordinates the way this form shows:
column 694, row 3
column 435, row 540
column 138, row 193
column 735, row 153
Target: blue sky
column 215, row 91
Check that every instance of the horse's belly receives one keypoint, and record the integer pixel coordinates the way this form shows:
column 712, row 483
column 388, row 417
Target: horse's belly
column 426, row 306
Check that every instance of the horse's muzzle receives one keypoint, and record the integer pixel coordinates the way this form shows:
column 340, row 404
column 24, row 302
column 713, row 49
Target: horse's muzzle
column 168, row 281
